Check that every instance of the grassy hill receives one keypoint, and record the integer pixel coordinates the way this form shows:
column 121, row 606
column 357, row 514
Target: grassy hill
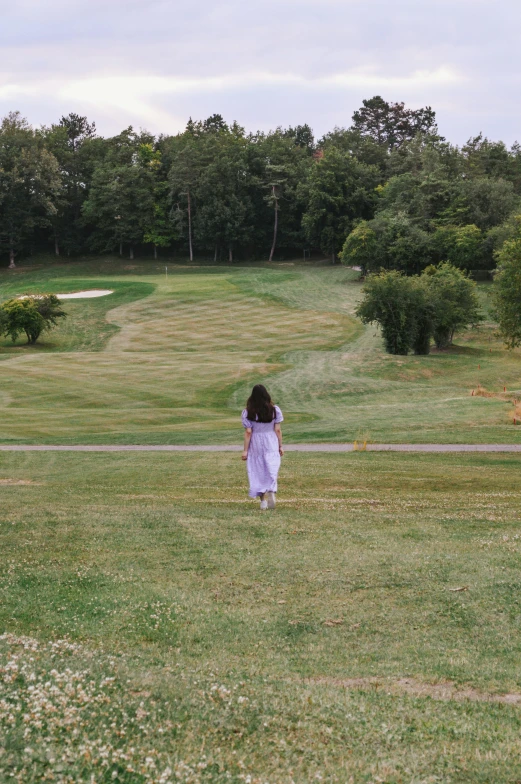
column 367, row 630
column 171, row 358
column 156, row 627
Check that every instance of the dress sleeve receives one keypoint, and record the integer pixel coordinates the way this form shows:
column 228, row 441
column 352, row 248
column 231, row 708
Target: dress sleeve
column 278, row 415
column 245, row 421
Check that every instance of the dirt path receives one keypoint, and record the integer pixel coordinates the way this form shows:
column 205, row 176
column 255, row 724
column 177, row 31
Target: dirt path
column 287, row 448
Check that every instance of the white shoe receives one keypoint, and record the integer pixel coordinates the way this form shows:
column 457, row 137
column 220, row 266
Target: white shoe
column 264, row 504
column 271, row 500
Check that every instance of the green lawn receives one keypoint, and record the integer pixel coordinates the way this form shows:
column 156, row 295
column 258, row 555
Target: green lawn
column 156, row 628
column 170, row 359
column 156, row 621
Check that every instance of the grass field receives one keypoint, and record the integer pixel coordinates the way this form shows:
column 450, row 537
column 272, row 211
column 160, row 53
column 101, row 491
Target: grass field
column 156, row 621
column 170, row 359
column 156, row 628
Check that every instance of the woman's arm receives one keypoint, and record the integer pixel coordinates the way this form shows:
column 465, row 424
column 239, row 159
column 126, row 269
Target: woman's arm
column 247, row 439
column 278, row 431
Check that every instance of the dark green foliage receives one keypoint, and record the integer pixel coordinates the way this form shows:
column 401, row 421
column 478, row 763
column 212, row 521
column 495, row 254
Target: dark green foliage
column 454, row 300
column 338, row 191
column 30, row 315
column 302, row 135
column 507, row 290
column 70, row 141
column 214, row 190
column 390, row 242
column 121, row 202
column 389, row 300
column 437, row 205
column 425, row 315
column 462, row 246
column 3, row 322
column 362, row 248
column 22, row 316
column 485, row 158
column 487, row 202
column 412, row 310
column 391, row 124
column 29, row 184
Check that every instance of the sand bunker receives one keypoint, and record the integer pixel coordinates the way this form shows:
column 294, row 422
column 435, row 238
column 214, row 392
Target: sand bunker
column 86, row 294
column 82, row 294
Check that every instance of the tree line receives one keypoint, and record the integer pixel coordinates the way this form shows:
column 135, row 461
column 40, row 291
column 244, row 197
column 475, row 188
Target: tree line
column 387, row 192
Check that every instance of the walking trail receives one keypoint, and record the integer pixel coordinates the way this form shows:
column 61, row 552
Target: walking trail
column 287, row 448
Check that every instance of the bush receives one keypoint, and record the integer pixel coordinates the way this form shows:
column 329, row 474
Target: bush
column 391, row 241
column 3, row 322
column 507, row 292
column 461, row 246
column 424, row 318
column 454, row 301
column 412, row 310
column 398, row 305
column 33, row 314
column 361, row 248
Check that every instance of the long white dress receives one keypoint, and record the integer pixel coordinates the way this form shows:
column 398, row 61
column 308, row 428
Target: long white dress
column 263, row 461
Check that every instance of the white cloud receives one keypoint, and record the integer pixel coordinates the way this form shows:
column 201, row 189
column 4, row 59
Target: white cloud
column 127, row 88
column 140, row 99
column 265, row 63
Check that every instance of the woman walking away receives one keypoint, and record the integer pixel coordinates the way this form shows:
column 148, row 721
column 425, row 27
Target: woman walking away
column 262, row 445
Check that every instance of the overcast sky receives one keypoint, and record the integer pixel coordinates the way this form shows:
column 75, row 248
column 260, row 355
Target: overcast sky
column 264, row 63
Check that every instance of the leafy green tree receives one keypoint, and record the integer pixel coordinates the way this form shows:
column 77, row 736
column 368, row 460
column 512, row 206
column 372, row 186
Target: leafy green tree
column 302, row 136
column 215, row 124
column 425, row 153
column 487, row 202
column 424, row 316
column 420, row 195
column 507, row 290
column 408, row 246
column 461, row 246
column 68, row 141
column 3, row 321
column 455, row 302
column 224, row 214
column 32, row 315
column 362, row 248
column 158, row 227
column 391, row 124
column 29, row 184
column 391, row 300
column 497, row 236
column 275, row 165
column 483, row 157
column 364, row 148
column 21, row 315
column 338, row 192
column 389, row 241
column 411, row 310
column 184, row 176
column 276, row 179
column 120, row 205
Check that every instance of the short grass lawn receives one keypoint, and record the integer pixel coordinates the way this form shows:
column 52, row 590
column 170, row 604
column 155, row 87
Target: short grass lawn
column 157, row 627
column 171, row 358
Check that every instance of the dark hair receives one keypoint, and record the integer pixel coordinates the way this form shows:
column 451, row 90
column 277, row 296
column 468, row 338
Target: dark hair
column 259, row 405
